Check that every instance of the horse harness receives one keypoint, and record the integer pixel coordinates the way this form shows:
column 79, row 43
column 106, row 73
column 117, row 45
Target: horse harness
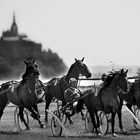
column 39, row 89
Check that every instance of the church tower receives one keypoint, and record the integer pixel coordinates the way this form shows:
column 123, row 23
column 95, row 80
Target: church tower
column 14, row 28
column 12, row 34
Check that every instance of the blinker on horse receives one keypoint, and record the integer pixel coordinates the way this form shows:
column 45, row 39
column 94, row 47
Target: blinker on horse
column 23, row 95
column 57, row 86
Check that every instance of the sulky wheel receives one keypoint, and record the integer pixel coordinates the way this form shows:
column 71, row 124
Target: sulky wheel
column 64, row 119
column 88, row 123
column 55, row 125
column 137, row 114
column 103, row 123
column 17, row 119
column 63, row 116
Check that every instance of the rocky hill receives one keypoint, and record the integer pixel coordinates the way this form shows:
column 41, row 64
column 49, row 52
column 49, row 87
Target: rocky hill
column 14, row 47
column 12, row 53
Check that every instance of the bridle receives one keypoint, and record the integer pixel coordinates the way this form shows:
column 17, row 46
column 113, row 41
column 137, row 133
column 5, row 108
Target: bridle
column 31, row 76
column 119, row 83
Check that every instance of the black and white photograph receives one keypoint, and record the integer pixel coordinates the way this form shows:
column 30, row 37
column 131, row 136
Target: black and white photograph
column 69, row 69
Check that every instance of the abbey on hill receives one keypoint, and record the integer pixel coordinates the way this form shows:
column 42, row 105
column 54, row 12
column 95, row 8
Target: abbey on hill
column 14, row 47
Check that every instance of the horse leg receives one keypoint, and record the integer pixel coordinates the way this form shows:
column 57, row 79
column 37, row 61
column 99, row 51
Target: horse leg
column 38, row 116
column 97, row 120
column 93, row 113
column 79, row 107
column 113, row 123
column 119, row 112
column 36, row 109
column 83, row 116
column 68, row 116
column 1, row 111
column 22, row 118
column 48, row 99
column 35, row 115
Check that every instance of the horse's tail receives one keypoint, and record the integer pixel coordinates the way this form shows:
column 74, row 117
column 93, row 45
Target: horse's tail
column 80, row 105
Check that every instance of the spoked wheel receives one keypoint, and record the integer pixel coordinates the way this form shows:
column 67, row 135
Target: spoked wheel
column 55, row 125
column 88, row 123
column 64, row 119
column 17, row 119
column 137, row 114
column 103, row 123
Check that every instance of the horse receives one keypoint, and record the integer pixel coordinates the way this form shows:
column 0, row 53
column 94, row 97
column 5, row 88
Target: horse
column 132, row 97
column 107, row 99
column 22, row 94
column 57, row 86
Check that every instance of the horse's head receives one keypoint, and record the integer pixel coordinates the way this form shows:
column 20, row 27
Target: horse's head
column 121, row 78
column 117, row 79
column 31, row 69
column 81, row 68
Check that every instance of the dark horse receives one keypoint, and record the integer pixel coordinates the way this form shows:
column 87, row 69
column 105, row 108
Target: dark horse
column 57, row 86
column 132, row 97
column 107, row 99
column 23, row 94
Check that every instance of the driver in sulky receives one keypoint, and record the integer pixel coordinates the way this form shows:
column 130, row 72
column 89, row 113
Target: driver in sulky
column 72, row 93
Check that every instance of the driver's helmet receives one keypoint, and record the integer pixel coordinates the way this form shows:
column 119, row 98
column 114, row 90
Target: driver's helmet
column 71, row 80
column 104, row 76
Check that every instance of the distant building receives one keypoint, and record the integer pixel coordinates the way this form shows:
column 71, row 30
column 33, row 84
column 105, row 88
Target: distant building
column 15, row 47
column 12, row 34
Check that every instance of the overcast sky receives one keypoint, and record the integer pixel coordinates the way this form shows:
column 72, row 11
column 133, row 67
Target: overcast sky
column 99, row 30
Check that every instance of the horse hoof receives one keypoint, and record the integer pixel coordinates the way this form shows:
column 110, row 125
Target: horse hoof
column 99, row 134
column 28, row 128
column 42, row 126
column 114, row 135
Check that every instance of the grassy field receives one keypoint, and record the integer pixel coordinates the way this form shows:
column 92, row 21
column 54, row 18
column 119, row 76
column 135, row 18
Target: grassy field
column 75, row 131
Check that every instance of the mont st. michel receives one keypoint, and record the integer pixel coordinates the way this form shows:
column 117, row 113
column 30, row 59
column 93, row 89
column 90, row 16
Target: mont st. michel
column 14, row 47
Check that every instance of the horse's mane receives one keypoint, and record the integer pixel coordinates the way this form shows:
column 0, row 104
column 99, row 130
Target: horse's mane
column 70, row 69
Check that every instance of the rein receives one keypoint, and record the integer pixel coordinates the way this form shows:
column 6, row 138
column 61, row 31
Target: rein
column 66, row 82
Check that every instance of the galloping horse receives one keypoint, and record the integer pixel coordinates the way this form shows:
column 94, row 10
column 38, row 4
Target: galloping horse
column 107, row 99
column 57, row 86
column 23, row 95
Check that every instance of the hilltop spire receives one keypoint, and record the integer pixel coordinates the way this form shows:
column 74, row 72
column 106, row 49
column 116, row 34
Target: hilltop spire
column 14, row 17
column 14, row 28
